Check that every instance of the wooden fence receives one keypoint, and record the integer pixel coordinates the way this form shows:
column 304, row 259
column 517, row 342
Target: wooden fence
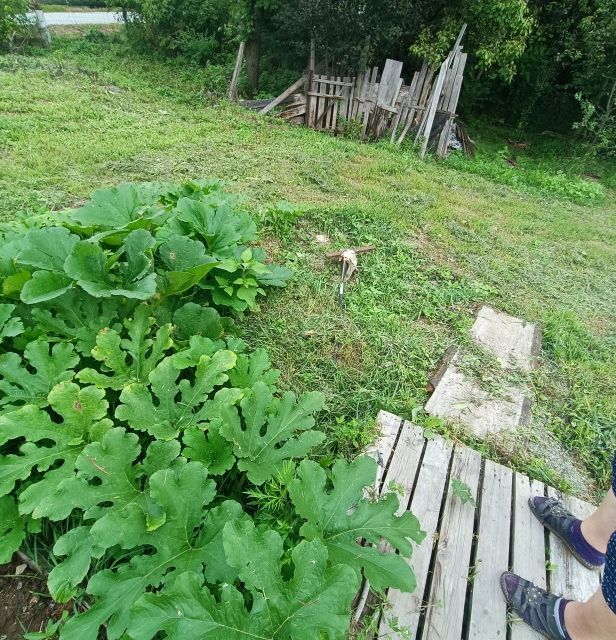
column 379, row 103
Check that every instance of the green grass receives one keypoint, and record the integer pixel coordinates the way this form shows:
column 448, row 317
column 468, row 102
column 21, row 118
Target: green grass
column 448, row 235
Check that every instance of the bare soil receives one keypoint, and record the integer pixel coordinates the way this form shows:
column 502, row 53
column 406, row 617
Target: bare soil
column 23, row 605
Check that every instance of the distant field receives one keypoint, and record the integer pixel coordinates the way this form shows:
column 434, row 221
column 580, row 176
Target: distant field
column 536, row 238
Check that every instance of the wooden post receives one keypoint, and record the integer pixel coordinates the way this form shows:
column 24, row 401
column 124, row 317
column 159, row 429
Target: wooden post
column 460, row 36
column 432, row 108
column 310, row 87
column 232, row 95
column 43, row 28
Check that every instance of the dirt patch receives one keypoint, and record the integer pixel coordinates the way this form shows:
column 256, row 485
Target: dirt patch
column 22, row 607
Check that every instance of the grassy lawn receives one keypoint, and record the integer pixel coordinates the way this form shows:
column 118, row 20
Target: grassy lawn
column 537, row 239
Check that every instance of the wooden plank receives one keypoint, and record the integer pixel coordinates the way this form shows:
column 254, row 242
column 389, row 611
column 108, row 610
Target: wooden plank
column 300, row 110
column 402, row 473
column 511, row 340
column 416, row 101
column 449, row 78
column 382, row 449
column 460, row 36
column 337, row 82
column 432, row 109
column 389, row 87
column 326, row 95
column 460, row 398
column 320, row 104
column 529, row 557
column 405, row 110
column 567, row 576
column 404, row 465
column 344, row 104
column 426, row 505
column 338, row 89
column 351, row 100
column 370, row 101
column 457, row 86
column 364, row 90
column 232, row 94
column 311, row 86
column 445, row 614
column 488, row 618
column 298, row 84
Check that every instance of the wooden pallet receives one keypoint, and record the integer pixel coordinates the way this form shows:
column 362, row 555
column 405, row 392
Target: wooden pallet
column 468, row 546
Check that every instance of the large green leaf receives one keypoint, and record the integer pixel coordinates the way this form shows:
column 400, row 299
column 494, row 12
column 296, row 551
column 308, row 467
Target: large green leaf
column 196, row 320
column 252, row 368
column 78, row 317
column 67, row 574
column 43, row 286
column 103, row 473
column 108, row 487
column 189, row 540
column 9, row 326
column 130, row 359
column 47, row 248
column 124, row 206
column 168, row 405
column 88, row 265
column 50, row 447
column 29, row 380
column 315, row 602
column 12, row 529
column 342, row 517
column 180, row 253
column 269, row 431
column 216, row 221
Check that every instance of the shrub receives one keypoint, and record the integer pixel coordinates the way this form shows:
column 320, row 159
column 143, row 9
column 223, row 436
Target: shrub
column 14, row 25
column 145, row 443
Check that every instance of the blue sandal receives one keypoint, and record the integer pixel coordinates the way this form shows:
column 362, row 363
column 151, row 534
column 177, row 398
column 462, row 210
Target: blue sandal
column 552, row 515
column 539, row 609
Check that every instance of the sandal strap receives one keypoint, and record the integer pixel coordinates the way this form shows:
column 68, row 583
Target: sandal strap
column 552, row 513
column 536, row 607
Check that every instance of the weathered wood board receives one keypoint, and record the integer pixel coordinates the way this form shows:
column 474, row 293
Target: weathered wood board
column 459, row 397
column 469, row 545
column 514, row 342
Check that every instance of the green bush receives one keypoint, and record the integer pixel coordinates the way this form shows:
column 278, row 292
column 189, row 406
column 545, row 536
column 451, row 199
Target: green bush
column 14, row 27
column 152, row 452
column 192, row 28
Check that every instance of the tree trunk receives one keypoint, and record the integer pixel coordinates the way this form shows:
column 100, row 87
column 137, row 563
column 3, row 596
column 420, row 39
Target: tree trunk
column 253, row 49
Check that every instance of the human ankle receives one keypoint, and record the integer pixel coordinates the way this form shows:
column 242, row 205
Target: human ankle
column 596, row 534
column 584, row 622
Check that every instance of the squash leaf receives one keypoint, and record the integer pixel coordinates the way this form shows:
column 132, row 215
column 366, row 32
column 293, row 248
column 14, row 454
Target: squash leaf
column 342, row 516
column 315, row 602
column 29, row 380
column 270, row 431
column 131, row 359
column 168, row 405
column 12, row 529
column 51, row 448
column 189, row 540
